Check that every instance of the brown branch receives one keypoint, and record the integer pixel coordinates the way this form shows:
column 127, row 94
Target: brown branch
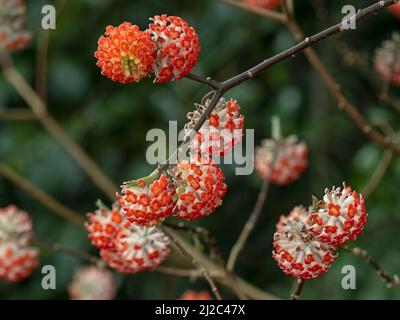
column 193, row 260
column 17, row 114
column 41, row 196
column 298, row 289
column 71, row 252
column 191, row 273
column 392, row 282
column 248, row 227
column 55, row 129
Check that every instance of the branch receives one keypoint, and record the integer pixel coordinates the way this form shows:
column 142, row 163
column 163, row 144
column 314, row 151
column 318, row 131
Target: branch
column 392, row 282
column 249, row 226
column 41, row 196
column 17, row 114
column 191, row 273
column 189, row 257
column 207, row 81
column 298, row 290
column 72, row 252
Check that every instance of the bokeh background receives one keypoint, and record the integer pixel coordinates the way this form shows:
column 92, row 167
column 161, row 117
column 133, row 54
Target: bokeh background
column 111, row 120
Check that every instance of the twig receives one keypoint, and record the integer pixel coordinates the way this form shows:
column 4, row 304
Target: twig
column 333, row 86
column 39, row 109
column 17, row 114
column 190, row 257
column 378, row 174
column 41, row 196
column 207, row 81
column 392, row 282
column 298, row 290
column 251, row 222
column 191, row 273
column 72, row 252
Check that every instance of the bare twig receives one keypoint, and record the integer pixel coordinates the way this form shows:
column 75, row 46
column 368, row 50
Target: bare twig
column 192, row 259
column 41, row 196
column 392, row 282
column 17, row 114
column 191, row 273
column 298, row 289
column 72, row 252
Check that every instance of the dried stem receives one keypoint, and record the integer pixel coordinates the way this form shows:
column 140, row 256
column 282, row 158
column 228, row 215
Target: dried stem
column 72, row 252
column 248, row 227
column 190, row 257
column 392, row 282
column 41, row 196
column 298, row 289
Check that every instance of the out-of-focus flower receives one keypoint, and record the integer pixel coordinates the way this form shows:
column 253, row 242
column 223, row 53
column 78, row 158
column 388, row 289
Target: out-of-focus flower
column 125, row 54
column 395, row 10
column 194, row 295
column 15, row 226
column 17, row 262
column 387, row 60
column 266, row 4
column 281, row 162
column 13, row 37
column 92, row 283
column 176, row 45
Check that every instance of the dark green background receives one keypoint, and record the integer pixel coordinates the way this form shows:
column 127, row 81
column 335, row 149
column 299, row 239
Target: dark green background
column 110, row 122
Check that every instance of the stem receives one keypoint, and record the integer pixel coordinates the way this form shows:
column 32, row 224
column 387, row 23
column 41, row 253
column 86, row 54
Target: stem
column 249, row 226
column 191, row 273
column 298, row 290
column 207, row 81
column 41, row 196
column 17, row 114
column 189, row 257
column 392, row 282
column 72, row 252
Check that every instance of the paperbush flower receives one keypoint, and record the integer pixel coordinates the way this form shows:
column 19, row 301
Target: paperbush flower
column 387, row 61
column 340, row 216
column 17, row 262
column 15, row 226
column 200, row 189
column 266, row 4
column 281, row 162
column 395, row 10
column 220, row 133
column 92, row 283
column 104, row 224
column 147, row 204
column 125, row 54
column 194, row 295
column 176, row 45
column 144, row 248
column 137, row 249
column 13, row 37
column 298, row 252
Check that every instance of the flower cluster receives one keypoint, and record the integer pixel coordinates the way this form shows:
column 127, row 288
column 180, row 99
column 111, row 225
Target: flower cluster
column 306, row 241
column 265, row 4
column 387, row 60
column 13, row 37
column 17, row 258
column 169, row 48
column 126, row 247
column 92, row 283
column 220, row 133
column 395, row 10
column 281, row 161
column 194, row 295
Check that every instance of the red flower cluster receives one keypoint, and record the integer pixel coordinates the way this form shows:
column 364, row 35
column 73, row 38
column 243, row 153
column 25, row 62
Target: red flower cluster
column 169, row 48
column 220, row 133
column 305, row 242
column 395, row 10
column 266, row 4
column 126, row 247
column 13, row 37
column 194, row 295
column 281, row 162
column 17, row 258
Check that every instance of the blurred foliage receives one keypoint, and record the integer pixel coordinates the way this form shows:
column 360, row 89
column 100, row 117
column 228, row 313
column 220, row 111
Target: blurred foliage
column 110, row 122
